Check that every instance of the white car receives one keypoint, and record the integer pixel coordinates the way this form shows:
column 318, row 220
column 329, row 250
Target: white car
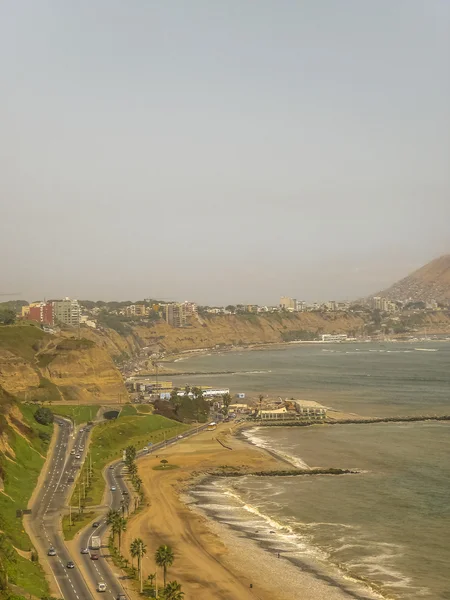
column 101, row 587
column 113, row 488
column 72, row 452
column 77, row 455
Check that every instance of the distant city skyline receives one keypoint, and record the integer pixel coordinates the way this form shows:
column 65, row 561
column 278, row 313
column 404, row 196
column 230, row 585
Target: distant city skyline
column 222, row 153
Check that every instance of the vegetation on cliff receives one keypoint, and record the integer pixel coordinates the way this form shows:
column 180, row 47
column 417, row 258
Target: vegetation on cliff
column 23, row 446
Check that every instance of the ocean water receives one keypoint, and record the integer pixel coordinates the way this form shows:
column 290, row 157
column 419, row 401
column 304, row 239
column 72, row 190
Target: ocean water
column 384, row 532
column 370, row 379
column 387, row 527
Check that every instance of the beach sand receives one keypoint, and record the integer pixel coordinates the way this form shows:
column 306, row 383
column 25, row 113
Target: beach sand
column 211, row 560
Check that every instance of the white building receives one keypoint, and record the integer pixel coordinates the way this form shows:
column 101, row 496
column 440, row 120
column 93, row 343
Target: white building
column 334, row 337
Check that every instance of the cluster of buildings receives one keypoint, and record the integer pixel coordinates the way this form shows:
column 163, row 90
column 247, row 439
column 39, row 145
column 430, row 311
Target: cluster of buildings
column 294, row 305
column 54, row 312
column 175, row 314
column 384, row 305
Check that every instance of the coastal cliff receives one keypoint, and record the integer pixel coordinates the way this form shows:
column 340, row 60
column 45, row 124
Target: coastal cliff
column 37, row 366
column 247, row 329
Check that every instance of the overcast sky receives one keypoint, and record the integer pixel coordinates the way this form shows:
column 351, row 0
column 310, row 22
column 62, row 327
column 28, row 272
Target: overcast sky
column 222, row 151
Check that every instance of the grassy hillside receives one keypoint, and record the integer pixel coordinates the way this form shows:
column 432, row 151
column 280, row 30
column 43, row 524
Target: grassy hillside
column 35, row 366
column 23, row 446
column 79, row 414
column 111, row 438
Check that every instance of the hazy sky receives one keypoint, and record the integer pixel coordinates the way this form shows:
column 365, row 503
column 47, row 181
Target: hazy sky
column 222, row 151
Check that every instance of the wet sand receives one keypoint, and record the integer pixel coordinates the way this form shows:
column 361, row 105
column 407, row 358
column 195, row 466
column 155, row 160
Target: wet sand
column 211, row 560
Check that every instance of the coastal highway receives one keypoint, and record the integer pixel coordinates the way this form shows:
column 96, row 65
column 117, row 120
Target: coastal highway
column 47, row 508
column 100, row 570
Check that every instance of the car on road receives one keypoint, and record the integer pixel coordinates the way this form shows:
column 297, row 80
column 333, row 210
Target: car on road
column 51, row 552
column 72, row 452
column 113, row 488
column 101, row 587
column 77, row 455
column 95, row 524
column 125, row 493
column 94, row 556
column 121, row 597
column 84, row 550
column 70, row 564
column 111, row 466
column 180, row 437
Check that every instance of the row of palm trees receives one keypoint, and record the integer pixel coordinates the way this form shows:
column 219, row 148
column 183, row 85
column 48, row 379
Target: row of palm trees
column 164, row 558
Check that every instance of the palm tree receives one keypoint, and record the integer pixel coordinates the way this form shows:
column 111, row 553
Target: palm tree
column 164, row 558
column 172, row 591
column 121, row 527
column 134, row 550
column 112, row 519
column 138, row 549
column 132, row 469
column 226, row 401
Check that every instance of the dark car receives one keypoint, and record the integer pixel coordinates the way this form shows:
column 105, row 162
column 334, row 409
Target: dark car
column 94, row 556
column 95, row 524
column 121, row 597
column 125, row 493
column 70, row 564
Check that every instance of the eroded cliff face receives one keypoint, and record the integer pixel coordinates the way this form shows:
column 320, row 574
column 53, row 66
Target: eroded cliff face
column 35, row 365
column 244, row 329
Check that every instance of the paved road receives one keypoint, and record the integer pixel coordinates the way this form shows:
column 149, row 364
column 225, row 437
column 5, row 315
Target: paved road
column 48, row 505
column 100, row 570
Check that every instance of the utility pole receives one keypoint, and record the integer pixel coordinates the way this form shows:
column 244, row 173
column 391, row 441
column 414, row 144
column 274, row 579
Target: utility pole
column 79, row 497
column 70, row 513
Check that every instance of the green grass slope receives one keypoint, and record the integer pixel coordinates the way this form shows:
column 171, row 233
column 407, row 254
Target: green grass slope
column 22, row 455
column 111, row 438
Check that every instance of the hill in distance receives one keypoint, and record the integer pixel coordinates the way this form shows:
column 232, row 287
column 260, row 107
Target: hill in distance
column 430, row 282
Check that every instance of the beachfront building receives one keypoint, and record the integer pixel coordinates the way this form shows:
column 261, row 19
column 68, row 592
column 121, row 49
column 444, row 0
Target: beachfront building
column 332, row 337
column 311, row 412
column 301, row 413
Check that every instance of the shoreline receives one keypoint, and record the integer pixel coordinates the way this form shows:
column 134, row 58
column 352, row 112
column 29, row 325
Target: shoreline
column 213, row 559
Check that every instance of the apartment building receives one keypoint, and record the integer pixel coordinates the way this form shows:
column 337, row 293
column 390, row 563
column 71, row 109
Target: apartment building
column 175, row 315
column 41, row 312
column 288, row 303
column 67, row 312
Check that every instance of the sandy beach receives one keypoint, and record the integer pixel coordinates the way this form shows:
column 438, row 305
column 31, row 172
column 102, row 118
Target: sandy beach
column 211, row 560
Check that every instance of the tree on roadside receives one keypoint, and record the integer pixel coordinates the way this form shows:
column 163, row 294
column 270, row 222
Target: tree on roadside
column 132, row 469
column 130, row 454
column 164, row 462
column 172, row 591
column 164, row 558
column 119, row 526
column 134, row 551
column 137, row 550
column 226, row 401
column 112, row 518
column 44, row 416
